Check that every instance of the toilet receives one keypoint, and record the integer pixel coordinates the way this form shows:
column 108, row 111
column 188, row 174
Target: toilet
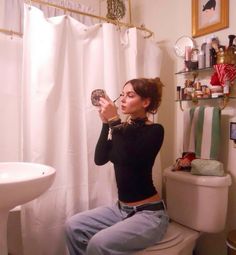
column 195, row 204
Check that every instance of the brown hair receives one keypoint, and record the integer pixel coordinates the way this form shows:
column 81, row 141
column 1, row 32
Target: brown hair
column 148, row 88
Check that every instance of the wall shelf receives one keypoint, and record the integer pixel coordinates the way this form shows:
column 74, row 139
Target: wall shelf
column 195, row 100
column 195, row 71
column 224, row 101
column 205, row 99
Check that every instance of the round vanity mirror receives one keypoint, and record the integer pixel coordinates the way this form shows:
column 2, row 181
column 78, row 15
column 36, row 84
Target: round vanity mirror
column 181, row 43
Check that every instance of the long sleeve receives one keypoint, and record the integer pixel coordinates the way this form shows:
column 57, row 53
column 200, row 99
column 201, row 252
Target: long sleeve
column 103, row 147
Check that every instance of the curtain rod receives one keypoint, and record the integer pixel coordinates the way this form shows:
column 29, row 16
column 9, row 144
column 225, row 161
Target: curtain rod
column 118, row 23
column 10, row 32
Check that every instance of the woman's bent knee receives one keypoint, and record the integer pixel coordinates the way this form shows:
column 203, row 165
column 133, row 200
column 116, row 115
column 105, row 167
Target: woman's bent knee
column 67, row 226
column 97, row 244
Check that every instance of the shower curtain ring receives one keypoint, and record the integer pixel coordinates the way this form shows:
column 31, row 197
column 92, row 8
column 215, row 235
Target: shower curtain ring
column 11, row 34
column 30, row 4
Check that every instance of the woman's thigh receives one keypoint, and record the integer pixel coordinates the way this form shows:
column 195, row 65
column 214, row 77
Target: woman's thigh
column 94, row 220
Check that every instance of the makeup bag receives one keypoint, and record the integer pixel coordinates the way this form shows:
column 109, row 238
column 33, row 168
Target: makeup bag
column 207, row 167
column 184, row 163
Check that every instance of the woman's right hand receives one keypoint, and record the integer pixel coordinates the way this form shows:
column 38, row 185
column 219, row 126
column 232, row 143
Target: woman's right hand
column 103, row 119
column 107, row 109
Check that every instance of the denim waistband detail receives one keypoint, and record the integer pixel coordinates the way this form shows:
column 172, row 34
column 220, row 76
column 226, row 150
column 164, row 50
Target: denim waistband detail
column 153, row 206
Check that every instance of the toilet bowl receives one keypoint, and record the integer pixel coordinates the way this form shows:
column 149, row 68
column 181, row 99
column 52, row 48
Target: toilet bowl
column 195, row 204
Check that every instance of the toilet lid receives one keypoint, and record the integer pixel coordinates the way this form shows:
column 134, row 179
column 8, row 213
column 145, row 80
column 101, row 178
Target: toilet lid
column 172, row 237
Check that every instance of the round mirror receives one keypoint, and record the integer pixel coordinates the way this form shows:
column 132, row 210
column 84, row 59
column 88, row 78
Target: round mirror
column 181, row 43
column 95, row 96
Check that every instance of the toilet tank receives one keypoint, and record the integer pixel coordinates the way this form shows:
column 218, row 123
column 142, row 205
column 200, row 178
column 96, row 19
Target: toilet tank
column 198, row 202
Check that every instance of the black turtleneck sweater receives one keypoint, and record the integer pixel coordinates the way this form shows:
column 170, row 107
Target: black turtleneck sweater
column 132, row 150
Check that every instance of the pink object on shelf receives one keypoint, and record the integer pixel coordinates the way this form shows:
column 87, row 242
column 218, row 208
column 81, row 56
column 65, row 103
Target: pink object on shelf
column 225, row 72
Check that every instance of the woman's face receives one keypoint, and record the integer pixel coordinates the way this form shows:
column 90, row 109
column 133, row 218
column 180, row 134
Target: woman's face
column 132, row 103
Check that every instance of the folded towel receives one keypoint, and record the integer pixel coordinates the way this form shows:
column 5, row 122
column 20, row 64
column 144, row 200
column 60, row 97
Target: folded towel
column 202, row 131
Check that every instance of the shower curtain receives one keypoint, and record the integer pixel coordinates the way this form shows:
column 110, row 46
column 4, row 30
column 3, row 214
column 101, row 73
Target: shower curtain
column 63, row 61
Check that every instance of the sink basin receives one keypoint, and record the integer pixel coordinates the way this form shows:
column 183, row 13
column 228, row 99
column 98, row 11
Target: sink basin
column 20, row 182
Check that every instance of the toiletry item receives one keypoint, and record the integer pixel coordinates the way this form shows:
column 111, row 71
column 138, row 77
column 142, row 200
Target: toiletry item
column 215, row 43
column 226, row 88
column 216, row 94
column 188, row 52
column 216, row 91
column 201, row 60
column 178, row 92
column 203, row 50
column 231, row 51
column 197, row 85
column 221, row 56
column 194, row 55
column 208, row 53
column 187, row 58
column 198, row 94
column 194, row 59
column 231, row 41
column 213, row 57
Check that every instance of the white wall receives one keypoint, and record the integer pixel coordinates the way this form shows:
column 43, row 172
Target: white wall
column 170, row 20
column 167, row 19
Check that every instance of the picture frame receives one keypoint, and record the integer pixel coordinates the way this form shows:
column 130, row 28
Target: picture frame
column 209, row 16
column 126, row 19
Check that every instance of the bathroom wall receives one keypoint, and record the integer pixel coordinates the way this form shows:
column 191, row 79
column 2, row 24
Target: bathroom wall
column 170, row 20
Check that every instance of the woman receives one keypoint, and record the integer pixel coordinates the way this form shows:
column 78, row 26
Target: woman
column 138, row 219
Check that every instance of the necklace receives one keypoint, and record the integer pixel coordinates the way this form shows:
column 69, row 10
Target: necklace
column 128, row 127
column 138, row 121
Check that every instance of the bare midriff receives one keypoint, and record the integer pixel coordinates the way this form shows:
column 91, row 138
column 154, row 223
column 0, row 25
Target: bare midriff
column 154, row 198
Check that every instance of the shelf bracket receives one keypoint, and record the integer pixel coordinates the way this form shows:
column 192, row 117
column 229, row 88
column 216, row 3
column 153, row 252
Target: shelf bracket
column 225, row 101
column 194, row 101
column 181, row 106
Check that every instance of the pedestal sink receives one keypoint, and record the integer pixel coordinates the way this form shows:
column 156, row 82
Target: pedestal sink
column 20, row 182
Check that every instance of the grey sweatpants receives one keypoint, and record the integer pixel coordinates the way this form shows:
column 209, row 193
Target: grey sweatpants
column 107, row 231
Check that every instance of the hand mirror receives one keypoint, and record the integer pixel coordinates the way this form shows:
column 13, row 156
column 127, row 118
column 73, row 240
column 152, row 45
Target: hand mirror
column 181, row 43
column 95, row 96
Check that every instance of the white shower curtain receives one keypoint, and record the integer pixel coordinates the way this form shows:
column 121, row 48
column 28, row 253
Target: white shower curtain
column 63, row 61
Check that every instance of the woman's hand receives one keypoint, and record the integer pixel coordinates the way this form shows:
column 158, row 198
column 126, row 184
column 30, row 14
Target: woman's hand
column 107, row 109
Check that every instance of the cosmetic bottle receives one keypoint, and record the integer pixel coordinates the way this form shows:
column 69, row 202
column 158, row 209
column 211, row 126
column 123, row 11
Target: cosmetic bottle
column 226, row 88
column 188, row 52
column 208, row 53
column 179, row 93
column 231, row 41
column 187, row 57
column 201, row 60
column 203, row 50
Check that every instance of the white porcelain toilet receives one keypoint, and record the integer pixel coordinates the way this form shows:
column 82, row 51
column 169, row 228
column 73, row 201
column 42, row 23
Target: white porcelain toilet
column 195, row 204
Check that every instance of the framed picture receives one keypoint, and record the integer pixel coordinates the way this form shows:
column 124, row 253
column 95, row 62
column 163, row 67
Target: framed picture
column 209, row 16
column 103, row 6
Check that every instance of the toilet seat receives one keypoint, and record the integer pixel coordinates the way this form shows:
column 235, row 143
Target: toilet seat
column 172, row 237
column 175, row 239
